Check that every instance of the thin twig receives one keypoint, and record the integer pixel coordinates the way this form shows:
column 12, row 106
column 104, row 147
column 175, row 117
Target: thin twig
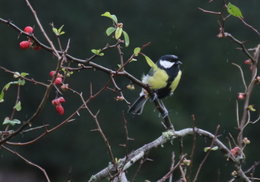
column 206, row 156
column 249, row 26
column 42, row 29
column 28, row 162
column 242, row 75
column 209, row 12
column 168, row 174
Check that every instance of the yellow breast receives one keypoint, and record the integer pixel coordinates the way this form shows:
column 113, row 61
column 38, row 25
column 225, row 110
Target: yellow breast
column 158, row 80
column 176, row 81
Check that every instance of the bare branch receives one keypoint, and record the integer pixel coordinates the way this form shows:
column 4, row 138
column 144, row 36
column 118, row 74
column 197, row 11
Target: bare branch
column 170, row 135
column 242, row 75
column 209, row 12
column 28, row 162
column 42, row 29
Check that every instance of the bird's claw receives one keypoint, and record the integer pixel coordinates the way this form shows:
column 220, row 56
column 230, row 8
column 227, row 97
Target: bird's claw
column 154, row 97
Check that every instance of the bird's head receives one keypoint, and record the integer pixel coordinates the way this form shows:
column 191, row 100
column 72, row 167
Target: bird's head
column 168, row 61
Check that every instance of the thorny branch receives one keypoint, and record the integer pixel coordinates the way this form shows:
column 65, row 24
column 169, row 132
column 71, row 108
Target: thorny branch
column 28, row 162
column 117, row 168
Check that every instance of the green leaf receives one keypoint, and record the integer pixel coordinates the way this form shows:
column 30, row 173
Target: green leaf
column 133, row 60
column 126, row 38
column 23, row 74
column 5, row 88
column 112, row 17
column 251, row 108
column 60, row 29
column 234, row 10
column 106, row 14
column 97, row 52
column 55, row 31
column 2, row 94
column 18, row 106
column 21, row 82
column 13, row 122
column 58, row 32
column 119, row 65
column 150, row 62
column 118, row 32
column 110, row 30
column 206, row 149
column 137, row 50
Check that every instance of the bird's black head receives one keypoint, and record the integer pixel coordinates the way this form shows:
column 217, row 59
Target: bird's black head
column 168, row 61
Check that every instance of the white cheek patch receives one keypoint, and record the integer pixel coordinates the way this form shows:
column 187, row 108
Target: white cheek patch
column 166, row 64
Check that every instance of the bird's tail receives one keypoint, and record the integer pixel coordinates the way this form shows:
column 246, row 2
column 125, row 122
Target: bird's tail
column 138, row 106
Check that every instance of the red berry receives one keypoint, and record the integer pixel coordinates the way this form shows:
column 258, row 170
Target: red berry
column 65, row 87
column 52, row 73
column 28, row 29
column 248, row 61
column 55, row 102
column 61, row 99
column 25, row 44
column 241, row 96
column 235, row 151
column 60, row 109
column 58, row 81
column 258, row 79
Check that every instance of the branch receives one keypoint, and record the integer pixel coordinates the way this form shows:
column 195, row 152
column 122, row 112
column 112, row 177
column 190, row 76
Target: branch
column 42, row 29
column 28, row 162
column 132, row 158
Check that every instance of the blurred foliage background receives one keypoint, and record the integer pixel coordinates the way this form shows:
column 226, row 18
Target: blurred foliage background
column 207, row 90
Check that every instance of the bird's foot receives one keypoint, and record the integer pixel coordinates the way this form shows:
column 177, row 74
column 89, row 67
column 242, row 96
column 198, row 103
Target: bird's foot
column 165, row 112
column 154, row 96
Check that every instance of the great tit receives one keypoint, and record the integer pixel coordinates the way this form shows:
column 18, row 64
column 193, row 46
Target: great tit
column 163, row 79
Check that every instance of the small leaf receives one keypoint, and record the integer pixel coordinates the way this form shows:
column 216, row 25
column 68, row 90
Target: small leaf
column 2, row 94
column 126, row 38
column 18, row 106
column 234, row 10
column 251, row 108
column 21, row 82
column 118, row 32
column 55, row 31
column 119, row 66
column 133, row 60
column 97, row 52
column 6, row 87
column 137, row 51
column 206, row 149
column 110, row 30
column 60, row 29
column 150, row 62
column 23, row 74
column 106, row 14
column 58, row 32
column 130, row 86
column 13, row 122
column 112, row 17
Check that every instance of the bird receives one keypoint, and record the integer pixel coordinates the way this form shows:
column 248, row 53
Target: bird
column 163, row 78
